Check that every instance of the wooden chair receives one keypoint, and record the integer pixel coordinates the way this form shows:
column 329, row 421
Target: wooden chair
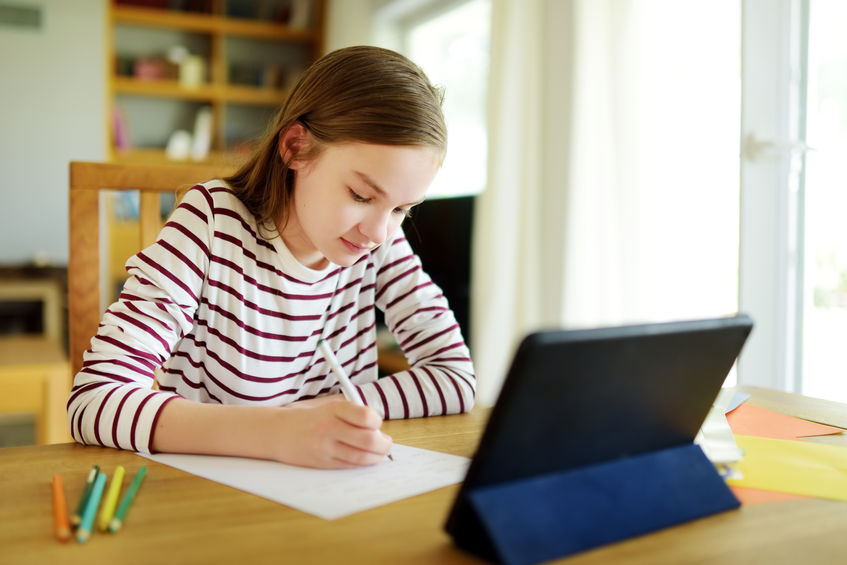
column 87, row 182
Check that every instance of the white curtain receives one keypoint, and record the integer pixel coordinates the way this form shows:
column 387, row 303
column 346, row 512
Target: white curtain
column 613, row 169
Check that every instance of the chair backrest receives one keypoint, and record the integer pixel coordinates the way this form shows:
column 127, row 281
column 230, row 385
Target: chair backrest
column 87, row 182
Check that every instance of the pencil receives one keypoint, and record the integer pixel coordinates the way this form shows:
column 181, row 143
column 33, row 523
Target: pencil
column 60, row 510
column 111, row 500
column 76, row 518
column 347, row 387
column 87, row 523
column 120, row 515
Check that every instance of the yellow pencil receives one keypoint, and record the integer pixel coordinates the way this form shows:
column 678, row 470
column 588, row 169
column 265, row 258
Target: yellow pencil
column 111, row 500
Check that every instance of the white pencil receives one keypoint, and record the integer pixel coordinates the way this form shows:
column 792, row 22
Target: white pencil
column 347, row 387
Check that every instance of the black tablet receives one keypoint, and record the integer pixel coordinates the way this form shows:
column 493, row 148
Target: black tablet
column 577, row 397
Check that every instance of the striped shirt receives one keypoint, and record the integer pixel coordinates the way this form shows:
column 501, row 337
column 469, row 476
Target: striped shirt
column 214, row 312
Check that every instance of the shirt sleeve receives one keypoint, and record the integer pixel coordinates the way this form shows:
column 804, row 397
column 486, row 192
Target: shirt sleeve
column 441, row 379
column 113, row 401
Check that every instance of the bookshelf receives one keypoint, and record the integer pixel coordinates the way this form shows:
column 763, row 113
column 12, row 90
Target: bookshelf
column 232, row 60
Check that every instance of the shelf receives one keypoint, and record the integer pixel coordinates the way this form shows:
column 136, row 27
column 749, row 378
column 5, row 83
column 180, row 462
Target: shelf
column 208, row 23
column 166, row 88
column 251, row 52
column 157, row 156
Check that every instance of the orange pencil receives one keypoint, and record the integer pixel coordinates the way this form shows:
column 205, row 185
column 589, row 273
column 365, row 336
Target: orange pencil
column 60, row 510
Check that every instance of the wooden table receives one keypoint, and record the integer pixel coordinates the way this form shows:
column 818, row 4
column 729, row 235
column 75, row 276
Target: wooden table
column 180, row 518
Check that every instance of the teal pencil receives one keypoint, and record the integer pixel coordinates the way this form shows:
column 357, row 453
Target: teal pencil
column 126, row 501
column 76, row 517
column 87, row 523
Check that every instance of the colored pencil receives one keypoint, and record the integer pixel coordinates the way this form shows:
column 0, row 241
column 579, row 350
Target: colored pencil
column 60, row 510
column 76, row 518
column 120, row 515
column 87, row 524
column 111, row 500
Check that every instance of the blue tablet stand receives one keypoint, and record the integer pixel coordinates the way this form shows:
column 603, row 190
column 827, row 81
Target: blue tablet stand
column 550, row 516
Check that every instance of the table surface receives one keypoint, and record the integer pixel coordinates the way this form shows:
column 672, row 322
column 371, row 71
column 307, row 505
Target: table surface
column 181, row 518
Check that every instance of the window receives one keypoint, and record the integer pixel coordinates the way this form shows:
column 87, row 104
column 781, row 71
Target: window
column 824, row 367
column 449, row 40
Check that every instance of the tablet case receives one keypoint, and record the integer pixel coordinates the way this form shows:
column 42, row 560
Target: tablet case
column 591, row 440
column 549, row 516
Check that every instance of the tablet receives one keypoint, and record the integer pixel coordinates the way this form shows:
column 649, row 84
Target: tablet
column 573, row 398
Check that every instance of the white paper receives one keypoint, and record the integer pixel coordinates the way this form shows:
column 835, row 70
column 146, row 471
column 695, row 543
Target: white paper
column 329, row 494
column 716, row 439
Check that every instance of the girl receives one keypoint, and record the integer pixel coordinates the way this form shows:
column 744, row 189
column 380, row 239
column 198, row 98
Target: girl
column 227, row 308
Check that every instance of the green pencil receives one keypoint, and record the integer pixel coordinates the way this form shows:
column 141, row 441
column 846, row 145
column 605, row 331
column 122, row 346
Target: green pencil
column 87, row 525
column 76, row 518
column 126, row 501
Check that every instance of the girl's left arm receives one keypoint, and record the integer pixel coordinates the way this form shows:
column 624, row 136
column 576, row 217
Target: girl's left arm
column 441, row 379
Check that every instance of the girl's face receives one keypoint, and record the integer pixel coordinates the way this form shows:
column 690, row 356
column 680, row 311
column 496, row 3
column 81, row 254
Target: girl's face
column 352, row 197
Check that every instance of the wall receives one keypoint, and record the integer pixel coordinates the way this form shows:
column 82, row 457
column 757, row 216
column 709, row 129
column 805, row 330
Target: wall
column 348, row 22
column 51, row 112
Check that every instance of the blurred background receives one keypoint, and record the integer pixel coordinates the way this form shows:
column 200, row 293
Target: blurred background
column 610, row 161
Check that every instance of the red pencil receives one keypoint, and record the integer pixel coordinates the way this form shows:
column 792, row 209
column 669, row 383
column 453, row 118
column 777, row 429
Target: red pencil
column 60, row 510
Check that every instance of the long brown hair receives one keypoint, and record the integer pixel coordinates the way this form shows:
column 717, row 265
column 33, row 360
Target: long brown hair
column 356, row 94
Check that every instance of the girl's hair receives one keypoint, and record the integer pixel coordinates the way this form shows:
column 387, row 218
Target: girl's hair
column 356, row 94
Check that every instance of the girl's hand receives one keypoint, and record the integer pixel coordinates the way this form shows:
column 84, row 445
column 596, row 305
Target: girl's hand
column 328, row 432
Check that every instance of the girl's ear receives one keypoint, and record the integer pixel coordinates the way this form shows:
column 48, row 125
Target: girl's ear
column 293, row 142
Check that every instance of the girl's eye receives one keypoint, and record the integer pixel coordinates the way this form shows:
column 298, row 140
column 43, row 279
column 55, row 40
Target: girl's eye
column 358, row 197
column 403, row 212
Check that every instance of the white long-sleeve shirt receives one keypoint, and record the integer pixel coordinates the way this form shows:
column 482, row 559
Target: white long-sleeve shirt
column 234, row 318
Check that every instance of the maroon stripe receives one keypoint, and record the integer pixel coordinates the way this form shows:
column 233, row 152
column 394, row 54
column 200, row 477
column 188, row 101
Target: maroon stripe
column 196, row 386
column 411, row 347
column 167, row 273
column 77, row 391
column 243, row 350
column 116, row 420
column 394, row 263
column 395, row 280
column 74, row 425
column 156, row 421
column 99, row 412
column 402, row 396
column 434, row 356
column 191, row 208
column 438, row 388
column 459, row 376
column 89, row 364
column 204, row 192
column 231, row 392
column 136, row 354
column 190, row 235
column 133, row 429
column 244, row 226
column 135, row 309
column 440, row 309
column 250, row 329
column 79, row 423
column 410, row 292
column 385, row 411
column 192, row 266
column 420, row 392
column 458, row 394
column 138, row 324
column 265, row 288
column 255, row 307
column 229, row 238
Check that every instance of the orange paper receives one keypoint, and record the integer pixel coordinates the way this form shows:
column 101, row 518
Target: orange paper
column 747, row 495
column 754, row 421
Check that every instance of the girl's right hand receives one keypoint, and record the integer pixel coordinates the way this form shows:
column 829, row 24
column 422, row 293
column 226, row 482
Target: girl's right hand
column 330, row 433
